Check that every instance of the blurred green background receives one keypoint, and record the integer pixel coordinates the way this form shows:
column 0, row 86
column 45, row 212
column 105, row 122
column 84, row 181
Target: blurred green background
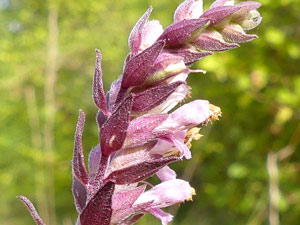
column 246, row 169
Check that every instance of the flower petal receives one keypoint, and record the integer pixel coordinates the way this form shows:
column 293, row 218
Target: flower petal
column 165, row 145
column 165, row 66
column 153, row 29
column 252, row 20
column 164, row 217
column 178, row 141
column 185, row 117
column 189, row 9
column 140, row 129
column 166, row 173
column 166, row 194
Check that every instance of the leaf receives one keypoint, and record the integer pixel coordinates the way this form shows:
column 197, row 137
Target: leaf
column 189, row 55
column 178, row 32
column 32, row 210
column 98, row 211
column 126, row 199
column 141, row 171
column 79, row 194
column 137, row 69
column 78, row 165
column 213, row 41
column 135, row 37
column 98, row 92
column 113, row 132
column 235, row 33
column 94, row 161
column 123, row 201
column 217, row 14
column 153, row 97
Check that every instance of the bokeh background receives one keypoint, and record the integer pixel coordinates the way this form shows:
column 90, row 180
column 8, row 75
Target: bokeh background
column 246, row 168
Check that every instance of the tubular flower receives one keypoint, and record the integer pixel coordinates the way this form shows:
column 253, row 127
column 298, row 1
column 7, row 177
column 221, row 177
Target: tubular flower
column 138, row 135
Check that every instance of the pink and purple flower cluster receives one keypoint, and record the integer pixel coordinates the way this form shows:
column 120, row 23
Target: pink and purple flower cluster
column 139, row 134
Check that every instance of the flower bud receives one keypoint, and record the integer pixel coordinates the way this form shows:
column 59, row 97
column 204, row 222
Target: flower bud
column 166, row 65
column 252, row 20
column 212, row 40
column 235, row 33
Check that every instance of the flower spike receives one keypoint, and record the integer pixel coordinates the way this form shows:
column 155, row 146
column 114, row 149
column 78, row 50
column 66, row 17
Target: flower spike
column 139, row 135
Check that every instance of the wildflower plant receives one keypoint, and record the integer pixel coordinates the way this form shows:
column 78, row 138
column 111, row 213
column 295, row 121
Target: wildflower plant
column 139, row 135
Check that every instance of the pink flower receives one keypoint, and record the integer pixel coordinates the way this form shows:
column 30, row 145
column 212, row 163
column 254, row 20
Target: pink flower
column 163, row 195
